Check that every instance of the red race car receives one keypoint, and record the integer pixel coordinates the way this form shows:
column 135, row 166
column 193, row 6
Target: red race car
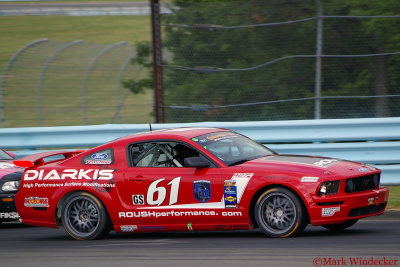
column 194, row 179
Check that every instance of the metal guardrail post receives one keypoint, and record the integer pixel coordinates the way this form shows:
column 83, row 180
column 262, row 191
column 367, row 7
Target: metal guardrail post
column 318, row 52
column 102, row 52
column 46, row 66
column 5, row 71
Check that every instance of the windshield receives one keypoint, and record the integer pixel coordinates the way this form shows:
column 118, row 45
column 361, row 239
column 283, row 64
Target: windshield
column 232, row 148
column 4, row 155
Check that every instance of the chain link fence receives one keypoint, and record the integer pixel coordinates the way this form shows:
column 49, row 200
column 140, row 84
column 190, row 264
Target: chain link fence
column 223, row 61
column 281, row 60
column 49, row 83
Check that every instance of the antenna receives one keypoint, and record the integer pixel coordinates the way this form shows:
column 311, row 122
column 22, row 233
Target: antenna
column 150, row 127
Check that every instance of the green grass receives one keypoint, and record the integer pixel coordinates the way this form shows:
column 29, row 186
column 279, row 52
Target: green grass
column 64, row 95
column 394, row 197
column 16, row 32
column 71, row 1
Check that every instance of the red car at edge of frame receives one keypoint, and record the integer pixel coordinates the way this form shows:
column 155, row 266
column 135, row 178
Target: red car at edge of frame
column 193, row 179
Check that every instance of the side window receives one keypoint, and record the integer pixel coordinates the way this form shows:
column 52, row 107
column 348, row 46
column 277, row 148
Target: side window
column 105, row 156
column 159, row 154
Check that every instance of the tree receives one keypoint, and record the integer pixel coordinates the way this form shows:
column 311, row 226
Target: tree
column 202, row 42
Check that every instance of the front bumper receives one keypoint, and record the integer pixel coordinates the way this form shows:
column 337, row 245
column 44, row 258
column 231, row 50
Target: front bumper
column 343, row 207
column 8, row 210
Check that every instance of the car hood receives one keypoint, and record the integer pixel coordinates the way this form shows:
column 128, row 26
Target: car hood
column 7, row 167
column 310, row 165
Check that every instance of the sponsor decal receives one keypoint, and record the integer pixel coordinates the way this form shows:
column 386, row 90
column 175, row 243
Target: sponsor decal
column 371, row 201
column 326, row 212
column 223, row 227
column 9, row 215
column 202, row 190
column 363, row 170
column 221, row 136
column 99, row 156
column 72, row 174
column 242, row 175
column 128, row 228
column 309, row 179
column 189, row 226
column 230, row 194
column 325, row 163
column 152, row 228
column 36, row 202
column 103, row 157
column 89, row 161
column 86, row 184
column 138, row 199
column 156, row 214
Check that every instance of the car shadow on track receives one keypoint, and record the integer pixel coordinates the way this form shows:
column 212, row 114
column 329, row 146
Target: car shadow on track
column 315, row 232
column 11, row 225
column 60, row 235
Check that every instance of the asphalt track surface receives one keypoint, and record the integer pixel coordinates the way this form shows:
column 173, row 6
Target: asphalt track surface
column 32, row 246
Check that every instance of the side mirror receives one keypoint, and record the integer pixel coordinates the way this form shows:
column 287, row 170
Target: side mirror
column 11, row 154
column 197, row 162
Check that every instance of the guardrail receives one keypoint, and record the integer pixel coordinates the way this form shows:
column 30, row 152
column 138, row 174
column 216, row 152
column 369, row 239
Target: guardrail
column 375, row 140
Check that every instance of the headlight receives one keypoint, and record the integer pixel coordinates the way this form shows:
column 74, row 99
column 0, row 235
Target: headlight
column 328, row 188
column 10, row 186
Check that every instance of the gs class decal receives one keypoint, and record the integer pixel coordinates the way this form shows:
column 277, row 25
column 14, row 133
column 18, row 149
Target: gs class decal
column 138, row 199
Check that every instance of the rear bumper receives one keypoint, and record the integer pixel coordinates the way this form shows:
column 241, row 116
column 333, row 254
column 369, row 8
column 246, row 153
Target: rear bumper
column 8, row 210
column 338, row 209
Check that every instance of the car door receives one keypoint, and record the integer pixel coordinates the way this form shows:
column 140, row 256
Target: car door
column 162, row 193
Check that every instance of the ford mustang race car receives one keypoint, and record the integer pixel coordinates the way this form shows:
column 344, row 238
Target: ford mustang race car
column 10, row 177
column 194, row 179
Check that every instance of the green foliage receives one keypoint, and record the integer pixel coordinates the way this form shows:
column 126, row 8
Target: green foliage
column 138, row 86
column 201, row 43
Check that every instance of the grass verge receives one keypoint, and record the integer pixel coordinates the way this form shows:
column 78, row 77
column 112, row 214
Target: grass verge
column 394, row 197
column 63, row 81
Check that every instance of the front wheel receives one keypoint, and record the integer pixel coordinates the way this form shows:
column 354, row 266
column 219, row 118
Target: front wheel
column 340, row 226
column 279, row 213
column 85, row 217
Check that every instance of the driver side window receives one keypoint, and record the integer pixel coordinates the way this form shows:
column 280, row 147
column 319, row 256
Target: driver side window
column 159, row 154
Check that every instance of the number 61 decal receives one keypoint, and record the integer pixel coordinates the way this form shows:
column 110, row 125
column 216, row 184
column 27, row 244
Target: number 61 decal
column 162, row 192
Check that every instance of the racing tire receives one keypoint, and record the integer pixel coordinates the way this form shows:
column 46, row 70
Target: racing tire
column 340, row 226
column 280, row 213
column 85, row 217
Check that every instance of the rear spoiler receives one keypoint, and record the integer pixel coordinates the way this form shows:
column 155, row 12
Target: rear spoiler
column 36, row 160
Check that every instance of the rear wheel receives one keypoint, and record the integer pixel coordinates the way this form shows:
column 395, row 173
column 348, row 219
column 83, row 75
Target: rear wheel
column 85, row 217
column 340, row 226
column 279, row 213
